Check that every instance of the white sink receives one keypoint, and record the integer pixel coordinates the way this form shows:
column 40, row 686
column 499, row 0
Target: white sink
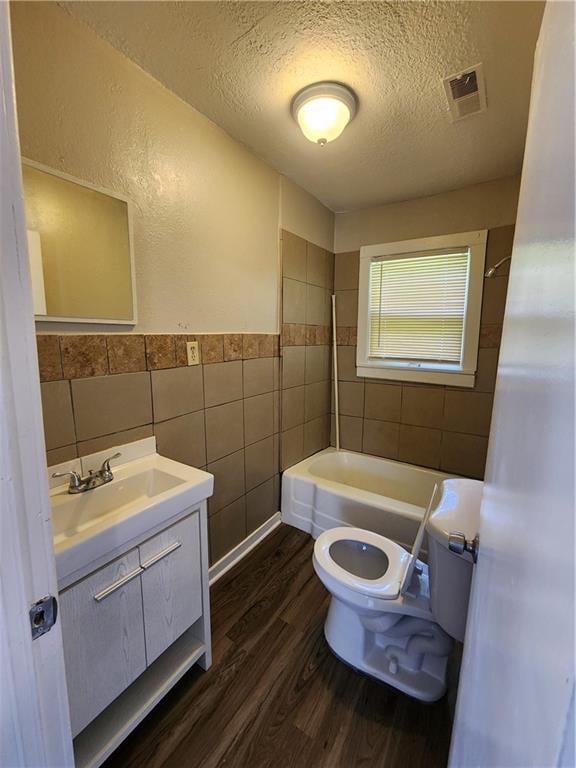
column 144, row 493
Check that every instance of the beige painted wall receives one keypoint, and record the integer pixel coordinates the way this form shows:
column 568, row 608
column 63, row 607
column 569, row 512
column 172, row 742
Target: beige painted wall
column 303, row 215
column 206, row 210
column 481, row 206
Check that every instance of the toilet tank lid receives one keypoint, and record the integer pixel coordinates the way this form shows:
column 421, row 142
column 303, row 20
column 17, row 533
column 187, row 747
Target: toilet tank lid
column 457, row 509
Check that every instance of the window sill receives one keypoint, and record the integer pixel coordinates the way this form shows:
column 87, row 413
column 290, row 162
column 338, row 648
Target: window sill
column 419, row 375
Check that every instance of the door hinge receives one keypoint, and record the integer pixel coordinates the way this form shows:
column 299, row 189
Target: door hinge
column 43, row 616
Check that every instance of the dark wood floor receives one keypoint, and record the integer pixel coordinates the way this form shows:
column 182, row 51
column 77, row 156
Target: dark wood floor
column 275, row 695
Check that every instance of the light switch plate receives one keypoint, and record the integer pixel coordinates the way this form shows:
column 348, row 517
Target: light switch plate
column 192, row 353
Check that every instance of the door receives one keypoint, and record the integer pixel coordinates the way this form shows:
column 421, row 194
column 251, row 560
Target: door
column 171, row 584
column 517, row 680
column 103, row 628
column 34, row 722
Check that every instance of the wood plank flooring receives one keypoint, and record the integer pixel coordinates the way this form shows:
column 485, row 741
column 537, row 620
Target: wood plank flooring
column 275, row 695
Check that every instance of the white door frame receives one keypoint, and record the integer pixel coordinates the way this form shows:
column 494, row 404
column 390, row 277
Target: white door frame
column 34, row 719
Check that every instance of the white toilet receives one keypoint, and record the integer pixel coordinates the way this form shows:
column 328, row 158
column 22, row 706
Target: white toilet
column 391, row 615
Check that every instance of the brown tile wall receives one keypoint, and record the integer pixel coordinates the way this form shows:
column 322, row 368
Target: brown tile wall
column 307, row 284
column 244, row 413
column 222, row 415
column 435, row 426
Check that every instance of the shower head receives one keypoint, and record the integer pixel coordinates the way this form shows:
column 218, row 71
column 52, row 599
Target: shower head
column 491, row 270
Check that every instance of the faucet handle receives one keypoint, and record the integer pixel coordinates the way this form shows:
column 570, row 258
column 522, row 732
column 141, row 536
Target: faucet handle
column 75, row 478
column 105, row 468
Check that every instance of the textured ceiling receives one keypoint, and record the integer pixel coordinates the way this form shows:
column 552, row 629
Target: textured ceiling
column 240, row 63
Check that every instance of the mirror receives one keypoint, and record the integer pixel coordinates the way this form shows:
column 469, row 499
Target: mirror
column 79, row 246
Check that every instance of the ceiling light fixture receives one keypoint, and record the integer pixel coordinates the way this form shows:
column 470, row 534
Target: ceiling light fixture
column 323, row 110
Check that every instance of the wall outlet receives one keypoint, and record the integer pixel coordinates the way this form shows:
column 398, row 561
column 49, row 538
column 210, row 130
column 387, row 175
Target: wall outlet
column 192, row 353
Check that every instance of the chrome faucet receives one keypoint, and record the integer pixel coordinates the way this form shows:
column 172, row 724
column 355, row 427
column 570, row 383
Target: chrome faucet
column 94, row 479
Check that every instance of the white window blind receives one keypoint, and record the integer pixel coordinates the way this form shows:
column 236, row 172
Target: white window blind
column 417, row 306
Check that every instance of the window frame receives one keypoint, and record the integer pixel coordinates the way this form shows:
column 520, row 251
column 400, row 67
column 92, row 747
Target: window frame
column 460, row 375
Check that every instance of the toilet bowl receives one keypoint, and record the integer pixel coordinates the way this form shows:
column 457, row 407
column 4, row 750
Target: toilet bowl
column 380, row 620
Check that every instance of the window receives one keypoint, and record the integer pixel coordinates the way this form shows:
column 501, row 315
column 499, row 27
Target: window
column 419, row 309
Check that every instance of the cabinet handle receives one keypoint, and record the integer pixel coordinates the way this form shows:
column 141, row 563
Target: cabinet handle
column 117, row 584
column 162, row 554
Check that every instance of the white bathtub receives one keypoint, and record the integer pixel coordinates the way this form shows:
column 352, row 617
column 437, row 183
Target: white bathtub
column 335, row 488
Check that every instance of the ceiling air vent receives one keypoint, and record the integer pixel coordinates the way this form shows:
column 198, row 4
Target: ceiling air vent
column 466, row 92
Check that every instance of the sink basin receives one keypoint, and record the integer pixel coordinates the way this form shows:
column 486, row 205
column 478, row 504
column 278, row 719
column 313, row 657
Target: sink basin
column 73, row 514
column 145, row 493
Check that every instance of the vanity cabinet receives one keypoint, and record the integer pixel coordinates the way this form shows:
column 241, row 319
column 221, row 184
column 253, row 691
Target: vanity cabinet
column 117, row 621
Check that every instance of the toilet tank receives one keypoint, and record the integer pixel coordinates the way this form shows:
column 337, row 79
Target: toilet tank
column 457, row 510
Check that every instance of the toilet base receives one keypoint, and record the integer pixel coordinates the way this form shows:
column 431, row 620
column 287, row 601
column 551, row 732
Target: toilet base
column 411, row 655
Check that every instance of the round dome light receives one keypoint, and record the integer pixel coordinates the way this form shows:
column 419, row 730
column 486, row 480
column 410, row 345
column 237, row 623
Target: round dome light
column 323, row 110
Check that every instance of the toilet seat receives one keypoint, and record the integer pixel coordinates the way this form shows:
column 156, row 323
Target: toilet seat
column 387, row 586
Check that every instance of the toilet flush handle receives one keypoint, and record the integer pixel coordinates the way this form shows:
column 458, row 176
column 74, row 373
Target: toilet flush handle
column 458, row 543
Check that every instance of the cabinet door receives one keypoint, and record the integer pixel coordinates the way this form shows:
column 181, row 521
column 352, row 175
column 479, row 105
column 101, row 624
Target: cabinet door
column 103, row 633
column 171, row 584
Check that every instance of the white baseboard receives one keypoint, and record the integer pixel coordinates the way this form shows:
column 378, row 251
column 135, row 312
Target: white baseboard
column 241, row 550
